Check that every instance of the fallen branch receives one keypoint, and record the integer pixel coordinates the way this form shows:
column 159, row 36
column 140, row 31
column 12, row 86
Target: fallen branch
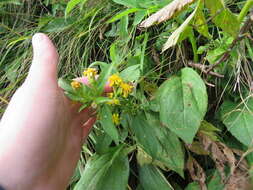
column 204, row 69
column 240, row 36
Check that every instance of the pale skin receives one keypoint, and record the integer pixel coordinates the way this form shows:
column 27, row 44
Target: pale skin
column 41, row 132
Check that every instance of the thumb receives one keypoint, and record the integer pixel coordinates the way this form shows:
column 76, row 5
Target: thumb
column 45, row 60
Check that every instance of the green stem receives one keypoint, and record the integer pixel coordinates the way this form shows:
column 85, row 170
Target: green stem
column 194, row 47
column 245, row 10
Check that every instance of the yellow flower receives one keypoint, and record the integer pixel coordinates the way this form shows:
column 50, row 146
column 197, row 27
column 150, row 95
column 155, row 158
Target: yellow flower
column 75, row 84
column 115, row 118
column 110, row 95
column 115, row 80
column 126, row 89
column 114, row 101
column 90, row 72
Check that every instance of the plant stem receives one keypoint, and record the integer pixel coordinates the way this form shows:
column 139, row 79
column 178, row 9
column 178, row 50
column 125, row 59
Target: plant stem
column 194, row 47
column 245, row 10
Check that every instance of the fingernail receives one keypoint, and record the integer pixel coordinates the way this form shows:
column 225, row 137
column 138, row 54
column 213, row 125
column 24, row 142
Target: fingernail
column 37, row 38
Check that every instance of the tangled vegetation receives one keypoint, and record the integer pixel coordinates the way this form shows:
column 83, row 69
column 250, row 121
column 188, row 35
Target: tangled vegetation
column 180, row 110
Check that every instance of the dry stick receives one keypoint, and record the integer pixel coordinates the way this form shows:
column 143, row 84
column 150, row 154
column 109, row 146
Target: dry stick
column 203, row 68
column 241, row 35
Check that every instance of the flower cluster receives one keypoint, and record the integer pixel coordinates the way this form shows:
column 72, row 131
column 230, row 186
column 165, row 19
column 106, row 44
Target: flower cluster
column 116, row 118
column 118, row 85
column 121, row 90
column 90, row 73
column 75, row 84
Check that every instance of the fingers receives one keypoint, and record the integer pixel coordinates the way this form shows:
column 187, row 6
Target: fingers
column 45, row 60
column 88, row 126
column 84, row 116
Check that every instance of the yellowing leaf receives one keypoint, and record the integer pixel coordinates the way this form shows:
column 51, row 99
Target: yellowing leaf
column 166, row 13
column 223, row 17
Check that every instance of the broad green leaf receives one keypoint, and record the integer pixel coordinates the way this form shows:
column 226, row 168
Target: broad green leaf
column 131, row 73
column 152, row 179
column 122, row 14
column 109, row 171
column 107, row 123
column 183, row 103
column 238, row 119
column 71, row 5
column 103, row 141
column 223, row 17
column 58, row 24
column 159, row 143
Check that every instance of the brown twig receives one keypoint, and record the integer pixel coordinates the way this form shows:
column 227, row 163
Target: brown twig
column 204, row 69
column 240, row 36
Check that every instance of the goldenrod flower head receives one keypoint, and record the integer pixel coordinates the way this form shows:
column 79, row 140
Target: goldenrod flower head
column 126, row 89
column 116, row 118
column 114, row 101
column 75, row 84
column 90, row 72
column 115, row 80
column 110, row 95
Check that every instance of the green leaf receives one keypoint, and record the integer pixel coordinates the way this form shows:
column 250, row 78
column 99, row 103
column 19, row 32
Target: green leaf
column 199, row 21
column 159, row 142
column 131, row 73
column 215, row 182
column 65, row 85
column 139, row 16
column 123, row 28
column 193, row 186
column 106, row 71
column 223, row 17
column 238, row 119
column 19, row 39
column 101, row 100
column 103, row 141
column 183, row 103
column 107, row 123
column 127, row 3
column 152, row 179
column 58, row 24
column 122, row 14
column 71, row 4
column 109, row 171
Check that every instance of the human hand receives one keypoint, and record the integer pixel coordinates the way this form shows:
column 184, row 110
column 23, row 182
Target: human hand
column 41, row 132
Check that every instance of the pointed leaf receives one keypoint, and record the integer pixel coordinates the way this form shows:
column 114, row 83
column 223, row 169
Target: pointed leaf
column 109, row 171
column 159, row 143
column 107, row 123
column 183, row 103
column 223, row 17
column 238, row 120
column 152, row 179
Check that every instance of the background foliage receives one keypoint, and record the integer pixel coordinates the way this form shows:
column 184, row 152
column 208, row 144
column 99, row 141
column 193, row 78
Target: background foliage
column 188, row 123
